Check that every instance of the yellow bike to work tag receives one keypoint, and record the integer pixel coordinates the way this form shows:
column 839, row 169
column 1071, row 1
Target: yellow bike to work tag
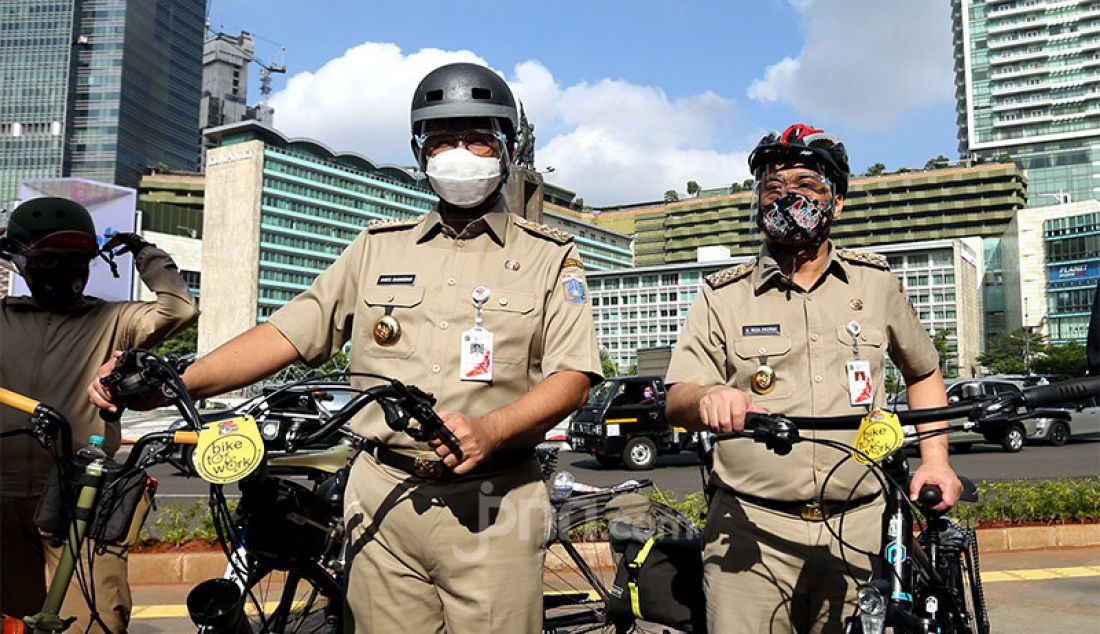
column 879, row 435
column 228, row 450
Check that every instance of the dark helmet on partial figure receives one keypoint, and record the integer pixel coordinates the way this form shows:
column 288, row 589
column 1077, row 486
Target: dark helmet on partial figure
column 51, row 241
column 804, row 144
column 50, row 223
column 464, row 91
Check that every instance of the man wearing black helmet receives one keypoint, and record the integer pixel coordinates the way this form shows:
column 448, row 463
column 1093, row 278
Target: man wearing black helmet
column 803, row 329
column 480, row 307
column 51, row 344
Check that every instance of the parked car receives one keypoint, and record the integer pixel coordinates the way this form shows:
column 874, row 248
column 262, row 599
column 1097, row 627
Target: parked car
column 623, row 422
column 1084, row 422
column 1010, row 438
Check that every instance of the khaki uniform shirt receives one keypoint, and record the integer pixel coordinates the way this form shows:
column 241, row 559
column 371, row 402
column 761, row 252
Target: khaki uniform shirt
column 750, row 314
column 423, row 274
column 52, row 357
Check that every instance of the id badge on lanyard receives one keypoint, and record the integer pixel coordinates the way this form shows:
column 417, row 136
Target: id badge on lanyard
column 476, row 355
column 861, row 389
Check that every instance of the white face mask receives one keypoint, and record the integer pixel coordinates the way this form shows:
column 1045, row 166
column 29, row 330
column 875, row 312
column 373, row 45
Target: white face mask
column 462, row 178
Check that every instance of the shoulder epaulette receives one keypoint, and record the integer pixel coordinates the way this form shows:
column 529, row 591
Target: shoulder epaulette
column 864, row 257
column 374, row 226
column 550, row 233
column 732, row 274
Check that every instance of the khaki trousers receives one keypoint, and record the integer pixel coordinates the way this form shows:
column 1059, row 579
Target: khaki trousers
column 768, row 571
column 22, row 592
column 457, row 557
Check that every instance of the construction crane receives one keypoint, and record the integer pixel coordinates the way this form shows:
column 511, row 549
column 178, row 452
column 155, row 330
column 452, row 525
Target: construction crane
column 276, row 65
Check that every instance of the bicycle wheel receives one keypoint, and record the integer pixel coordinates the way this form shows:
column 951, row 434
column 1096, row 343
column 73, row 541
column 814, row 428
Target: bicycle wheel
column 306, row 599
column 972, row 616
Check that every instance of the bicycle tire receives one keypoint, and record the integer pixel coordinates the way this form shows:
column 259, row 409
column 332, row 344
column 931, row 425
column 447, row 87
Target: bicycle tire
column 299, row 600
column 970, row 575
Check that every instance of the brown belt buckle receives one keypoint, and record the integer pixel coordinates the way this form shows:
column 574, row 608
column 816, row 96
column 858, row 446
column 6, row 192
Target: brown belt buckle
column 427, row 468
column 812, row 512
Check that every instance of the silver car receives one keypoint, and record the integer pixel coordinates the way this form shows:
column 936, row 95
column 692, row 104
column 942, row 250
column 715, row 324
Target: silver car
column 1084, row 422
column 1010, row 438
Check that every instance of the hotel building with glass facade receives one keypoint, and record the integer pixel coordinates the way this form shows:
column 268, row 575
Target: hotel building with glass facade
column 99, row 89
column 1027, row 77
column 278, row 211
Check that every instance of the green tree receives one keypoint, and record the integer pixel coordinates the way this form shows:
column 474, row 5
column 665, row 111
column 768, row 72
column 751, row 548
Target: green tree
column 671, row 196
column 185, row 342
column 1012, row 352
column 736, row 187
column 747, row 184
column 939, row 162
column 1063, row 359
column 875, row 170
column 948, row 353
column 632, row 369
column 578, row 203
column 1003, row 157
column 693, row 188
column 610, row 369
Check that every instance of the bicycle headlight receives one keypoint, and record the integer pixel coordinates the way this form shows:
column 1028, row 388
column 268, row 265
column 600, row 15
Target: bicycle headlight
column 872, row 609
column 270, row 430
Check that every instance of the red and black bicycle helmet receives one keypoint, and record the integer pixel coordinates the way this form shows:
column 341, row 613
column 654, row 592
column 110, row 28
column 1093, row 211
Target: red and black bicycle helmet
column 807, row 144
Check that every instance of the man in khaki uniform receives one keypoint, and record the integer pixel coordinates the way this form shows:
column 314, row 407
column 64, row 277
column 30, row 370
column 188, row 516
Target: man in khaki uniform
column 785, row 332
column 487, row 311
column 50, row 347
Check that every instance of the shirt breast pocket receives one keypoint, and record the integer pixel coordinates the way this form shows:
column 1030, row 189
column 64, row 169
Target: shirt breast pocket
column 383, row 338
column 511, row 316
column 869, row 339
column 749, row 353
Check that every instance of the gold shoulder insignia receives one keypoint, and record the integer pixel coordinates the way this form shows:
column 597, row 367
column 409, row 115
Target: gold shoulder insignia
column 864, row 257
column 550, row 233
column 732, row 274
column 374, row 226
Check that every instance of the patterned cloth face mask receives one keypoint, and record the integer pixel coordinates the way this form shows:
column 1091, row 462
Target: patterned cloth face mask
column 797, row 221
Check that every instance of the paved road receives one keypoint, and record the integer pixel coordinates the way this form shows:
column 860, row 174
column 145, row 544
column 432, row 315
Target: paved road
column 1027, row 592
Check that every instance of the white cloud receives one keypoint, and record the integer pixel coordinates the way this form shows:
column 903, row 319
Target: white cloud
column 864, row 62
column 610, row 141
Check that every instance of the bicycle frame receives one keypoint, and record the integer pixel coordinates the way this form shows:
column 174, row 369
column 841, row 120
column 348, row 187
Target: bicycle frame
column 44, row 419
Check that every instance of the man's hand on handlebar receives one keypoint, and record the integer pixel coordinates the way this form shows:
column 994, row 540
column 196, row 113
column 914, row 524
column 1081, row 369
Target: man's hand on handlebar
column 103, row 397
column 939, row 474
column 478, row 439
column 722, row 408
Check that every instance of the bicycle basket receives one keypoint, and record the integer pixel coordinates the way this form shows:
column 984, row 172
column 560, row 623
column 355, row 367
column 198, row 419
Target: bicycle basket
column 283, row 520
column 124, row 503
column 659, row 578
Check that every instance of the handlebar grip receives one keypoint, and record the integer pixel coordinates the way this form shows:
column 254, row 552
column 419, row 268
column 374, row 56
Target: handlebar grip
column 1071, row 390
column 186, row 438
column 930, row 495
column 18, row 401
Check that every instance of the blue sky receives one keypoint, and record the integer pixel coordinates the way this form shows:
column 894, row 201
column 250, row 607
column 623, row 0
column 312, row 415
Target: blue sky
column 628, row 99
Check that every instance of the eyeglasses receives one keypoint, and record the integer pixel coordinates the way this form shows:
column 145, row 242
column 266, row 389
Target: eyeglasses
column 807, row 184
column 478, row 142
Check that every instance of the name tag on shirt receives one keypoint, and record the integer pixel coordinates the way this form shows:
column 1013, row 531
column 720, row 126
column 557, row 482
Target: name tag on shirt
column 860, row 389
column 476, row 363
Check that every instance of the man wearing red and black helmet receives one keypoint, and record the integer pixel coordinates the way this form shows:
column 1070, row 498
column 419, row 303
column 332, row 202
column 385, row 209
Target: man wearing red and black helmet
column 802, row 329
column 50, row 346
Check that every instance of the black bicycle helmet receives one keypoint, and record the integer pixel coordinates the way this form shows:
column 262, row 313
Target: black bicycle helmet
column 463, row 90
column 804, row 143
column 50, row 222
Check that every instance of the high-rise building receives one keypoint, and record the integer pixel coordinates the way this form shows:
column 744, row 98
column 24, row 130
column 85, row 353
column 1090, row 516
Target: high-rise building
column 100, row 89
column 225, row 61
column 1027, row 77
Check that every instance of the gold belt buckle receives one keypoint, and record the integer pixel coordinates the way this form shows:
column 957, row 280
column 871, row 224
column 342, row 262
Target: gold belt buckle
column 428, row 468
column 812, row 512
